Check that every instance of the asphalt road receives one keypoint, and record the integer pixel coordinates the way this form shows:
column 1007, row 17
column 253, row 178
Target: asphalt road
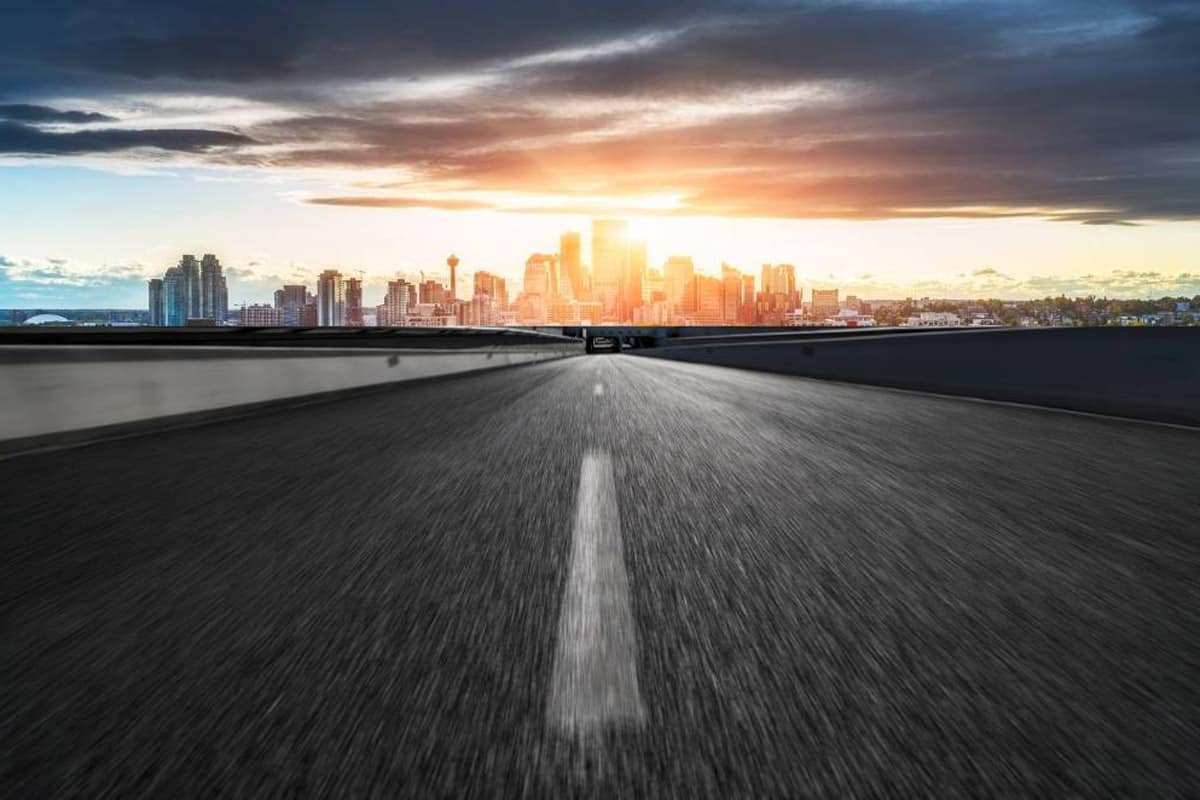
column 688, row 581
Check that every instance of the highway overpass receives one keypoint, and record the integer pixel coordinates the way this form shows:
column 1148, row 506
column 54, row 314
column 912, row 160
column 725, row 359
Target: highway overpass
column 603, row 575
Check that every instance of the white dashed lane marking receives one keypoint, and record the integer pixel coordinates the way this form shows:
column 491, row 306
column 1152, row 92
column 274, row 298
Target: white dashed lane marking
column 595, row 680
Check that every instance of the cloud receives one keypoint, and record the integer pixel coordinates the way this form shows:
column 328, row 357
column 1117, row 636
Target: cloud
column 24, row 112
column 29, row 140
column 199, row 57
column 1074, row 111
column 56, row 283
column 446, row 204
column 1119, row 284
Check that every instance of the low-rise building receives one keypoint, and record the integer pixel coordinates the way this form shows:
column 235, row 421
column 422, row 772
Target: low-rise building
column 261, row 316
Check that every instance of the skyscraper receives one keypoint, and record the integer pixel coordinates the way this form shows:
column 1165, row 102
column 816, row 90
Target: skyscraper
column 396, row 303
column 539, row 275
column 569, row 258
column 746, row 314
column 635, row 277
column 540, row 289
column 352, row 291
column 290, row 300
column 493, row 286
column 452, row 263
column 190, row 270
column 610, row 263
column 778, row 296
column 214, row 297
column 158, row 309
column 708, row 300
column 331, row 299
column 655, row 286
column 731, row 294
column 175, row 297
column 221, row 309
column 432, row 292
column 678, row 273
column 778, row 279
column 292, row 294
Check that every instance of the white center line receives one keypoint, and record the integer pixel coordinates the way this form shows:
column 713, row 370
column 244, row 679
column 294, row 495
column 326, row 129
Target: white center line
column 598, row 389
column 595, row 679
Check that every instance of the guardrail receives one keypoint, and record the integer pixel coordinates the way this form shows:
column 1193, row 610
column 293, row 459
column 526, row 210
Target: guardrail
column 69, row 385
column 417, row 338
column 1144, row 373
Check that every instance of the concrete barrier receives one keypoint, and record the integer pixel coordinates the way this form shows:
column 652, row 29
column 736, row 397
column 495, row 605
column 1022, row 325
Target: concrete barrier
column 1145, row 373
column 54, row 394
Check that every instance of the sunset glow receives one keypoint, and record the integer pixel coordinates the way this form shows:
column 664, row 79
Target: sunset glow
column 900, row 145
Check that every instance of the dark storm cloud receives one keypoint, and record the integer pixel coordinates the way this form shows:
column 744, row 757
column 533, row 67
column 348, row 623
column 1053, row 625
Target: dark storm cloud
column 187, row 56
column 256, row 39
column 1084, row 111
column 24, row 112
column 28, row 140
column 389, row 139
column 787, row 44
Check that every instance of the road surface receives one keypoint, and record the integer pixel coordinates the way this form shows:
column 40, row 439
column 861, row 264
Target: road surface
column 607, row 575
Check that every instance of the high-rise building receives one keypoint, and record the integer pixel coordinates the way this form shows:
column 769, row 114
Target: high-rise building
column 352, row 290
column 610, row 264
column 731, row 294
column 452, row 263
column 570, row 254
column 175, row 297
column 824, row 303
column 290, row 300
column 654, row 289
column 678, row 273
column 396, row 303
column 493, row 286
column 432, row 292
column 539, row 275
column 635, row 277
column 331, row 299
column 261, row 316
column 746, row 314
column 554, row 277
column 540, row 289
column 214, row 297
column 158, row 309
column 778, row 279
column 779, row 296
column 708, row 300
column 482, row 310
column 190, row 270
column 307, row 317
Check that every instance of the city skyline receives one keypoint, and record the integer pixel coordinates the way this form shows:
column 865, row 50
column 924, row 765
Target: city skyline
column 899, row 148
column 54, row 285
column 618, row 287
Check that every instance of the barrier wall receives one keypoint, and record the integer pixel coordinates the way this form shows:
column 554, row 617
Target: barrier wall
column 49, row 391
column 1147, row 373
